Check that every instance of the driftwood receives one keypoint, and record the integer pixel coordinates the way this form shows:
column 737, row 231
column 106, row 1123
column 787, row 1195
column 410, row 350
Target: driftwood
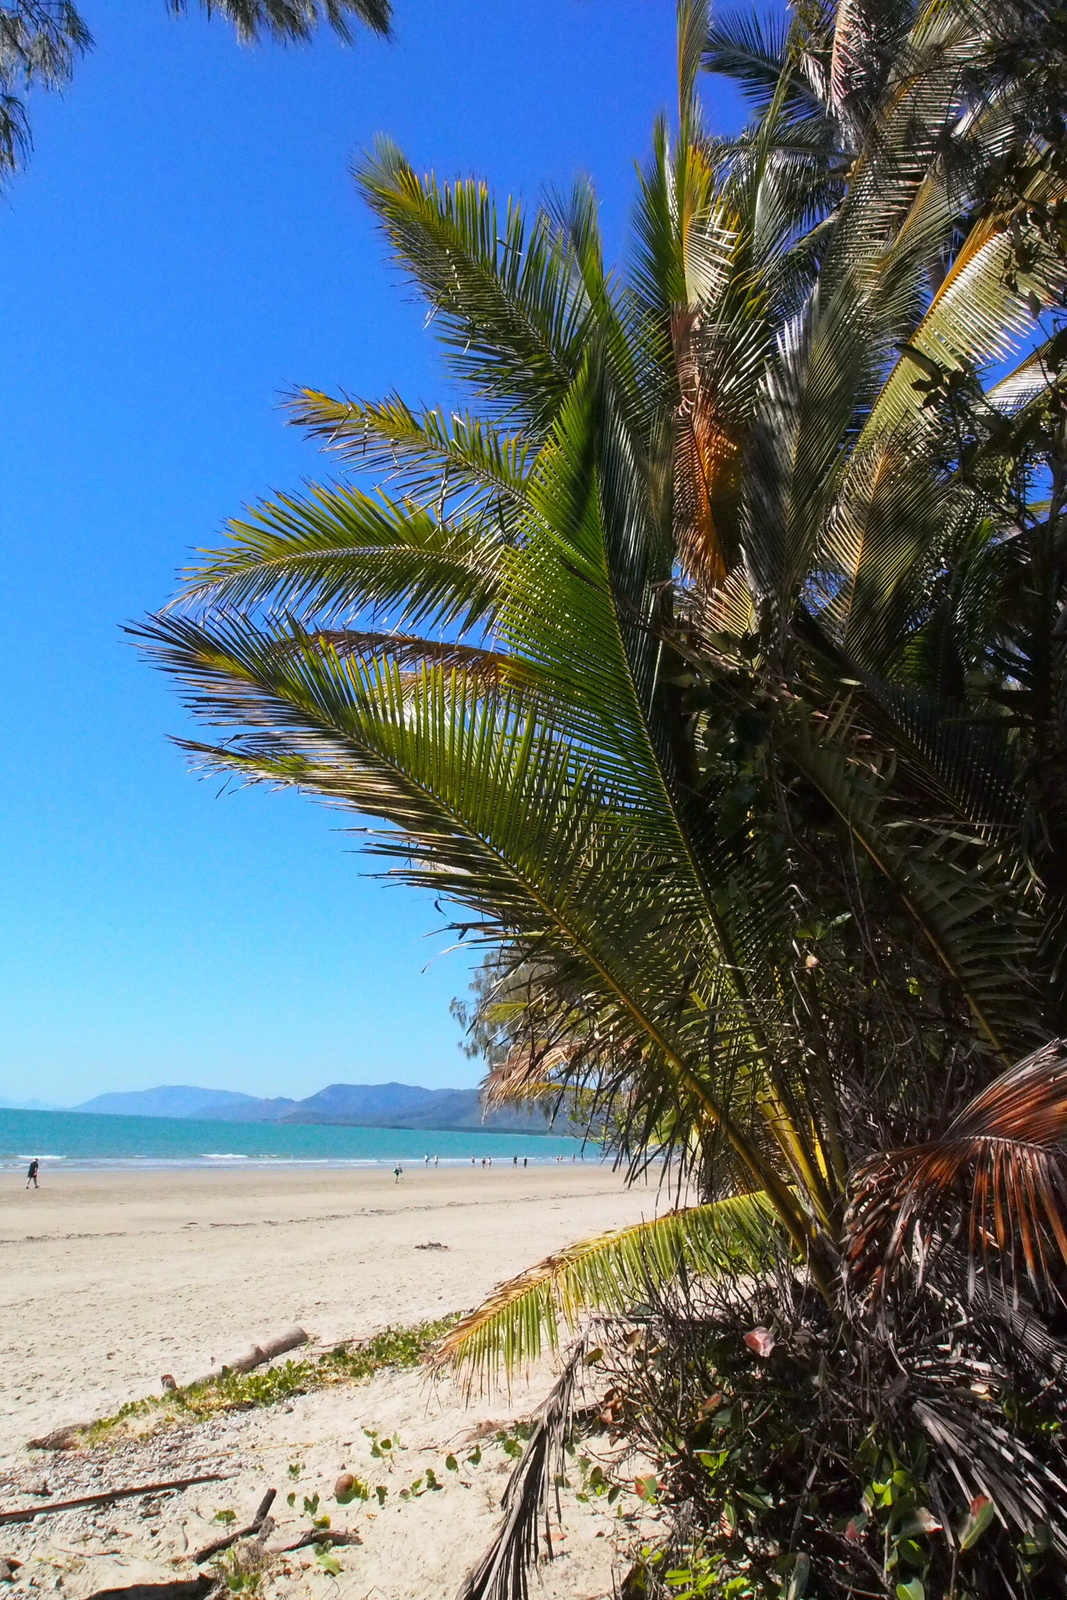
column 254, row 1356
column 68, row 1437
column 182, row 1589
column 28, row 1513
column 60, row 1438
column 254, row 1527
column 320, row 1536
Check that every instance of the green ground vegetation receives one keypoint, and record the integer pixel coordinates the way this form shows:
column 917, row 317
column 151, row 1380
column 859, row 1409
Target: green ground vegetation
column 244, row 1391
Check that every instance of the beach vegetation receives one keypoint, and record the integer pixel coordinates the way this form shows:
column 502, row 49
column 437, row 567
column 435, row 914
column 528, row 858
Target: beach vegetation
column 327, row 1560
column 713, row 664
column 394, row 1347
column 41, row 40
column 243, row 1569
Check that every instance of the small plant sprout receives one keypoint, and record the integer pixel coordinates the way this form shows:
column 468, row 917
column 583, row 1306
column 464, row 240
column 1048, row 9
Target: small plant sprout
column 383, row 1446
column 327, row 1560
column 241, row 1570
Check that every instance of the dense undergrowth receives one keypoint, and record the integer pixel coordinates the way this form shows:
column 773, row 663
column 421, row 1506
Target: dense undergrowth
column 794, row 1456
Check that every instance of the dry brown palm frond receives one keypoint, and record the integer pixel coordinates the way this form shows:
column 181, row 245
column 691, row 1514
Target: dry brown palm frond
column 1005, row 1156
column 503, row 1572
column 407, row 650
column 527, row 1075
column 704, row 455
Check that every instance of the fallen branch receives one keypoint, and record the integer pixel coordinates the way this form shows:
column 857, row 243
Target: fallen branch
column 183, row 1589
column 218, row 1545
column 254, row 1356
column 320, row 1536
column 28, row 1513
column 60, row 1438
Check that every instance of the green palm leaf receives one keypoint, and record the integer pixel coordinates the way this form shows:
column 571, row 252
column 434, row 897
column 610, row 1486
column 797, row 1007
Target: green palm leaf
column 611, row 1273
column 509, row 306
column 339, row 551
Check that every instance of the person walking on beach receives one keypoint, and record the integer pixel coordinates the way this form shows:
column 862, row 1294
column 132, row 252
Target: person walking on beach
column 398, row 1173
column 31, row 1176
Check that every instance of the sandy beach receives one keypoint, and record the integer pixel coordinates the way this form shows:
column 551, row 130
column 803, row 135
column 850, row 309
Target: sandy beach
column 111, row 1278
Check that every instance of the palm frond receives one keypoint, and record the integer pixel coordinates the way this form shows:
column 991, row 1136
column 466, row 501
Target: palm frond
column 460, row 460
column 610, row 1273
column 752, row 48
column 959, row 890
column 509, row 307
column 1005, row 1156
column 503, row 1572
column 339, row 551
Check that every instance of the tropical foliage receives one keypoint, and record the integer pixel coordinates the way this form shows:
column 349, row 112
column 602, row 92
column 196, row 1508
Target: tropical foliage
column 40, row 40
column 715, row 666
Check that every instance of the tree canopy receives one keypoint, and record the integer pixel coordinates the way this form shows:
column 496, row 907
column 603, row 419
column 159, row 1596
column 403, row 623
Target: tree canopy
column 40, row 41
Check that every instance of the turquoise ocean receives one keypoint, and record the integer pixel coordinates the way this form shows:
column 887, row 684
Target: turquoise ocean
column 69, row 1139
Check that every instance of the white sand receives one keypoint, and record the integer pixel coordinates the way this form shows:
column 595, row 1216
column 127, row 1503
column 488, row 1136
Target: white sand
column 108, row 1280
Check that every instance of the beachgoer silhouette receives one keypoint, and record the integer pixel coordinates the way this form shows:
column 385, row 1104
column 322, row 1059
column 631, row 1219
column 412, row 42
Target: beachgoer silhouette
column 524, row 1160
column 437, row 1161
column 398, row 1173
column 31, row 1176
column 514, row 1161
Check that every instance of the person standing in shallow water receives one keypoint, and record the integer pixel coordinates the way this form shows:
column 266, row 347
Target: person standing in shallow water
column 31, row 1176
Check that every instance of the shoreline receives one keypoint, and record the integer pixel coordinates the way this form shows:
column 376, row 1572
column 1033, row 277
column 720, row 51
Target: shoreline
column 113, row 1277
column 225, row 1161
column 66, row 1139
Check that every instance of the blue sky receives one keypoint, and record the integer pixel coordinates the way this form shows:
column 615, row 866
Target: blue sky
column 184, row 246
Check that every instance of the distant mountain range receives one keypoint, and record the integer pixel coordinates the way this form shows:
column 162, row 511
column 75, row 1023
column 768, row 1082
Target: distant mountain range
column 353, row 1105
column 29, row 1105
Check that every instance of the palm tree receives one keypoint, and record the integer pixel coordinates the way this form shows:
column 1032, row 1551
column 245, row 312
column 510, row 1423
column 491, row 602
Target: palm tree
column 715, row 666
column 40, row 41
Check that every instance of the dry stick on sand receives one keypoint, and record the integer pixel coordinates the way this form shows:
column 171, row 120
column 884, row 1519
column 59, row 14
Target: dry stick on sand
column 28, row 1513
column 321, row 1536
column 218, row 1545
column 254, row 1356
